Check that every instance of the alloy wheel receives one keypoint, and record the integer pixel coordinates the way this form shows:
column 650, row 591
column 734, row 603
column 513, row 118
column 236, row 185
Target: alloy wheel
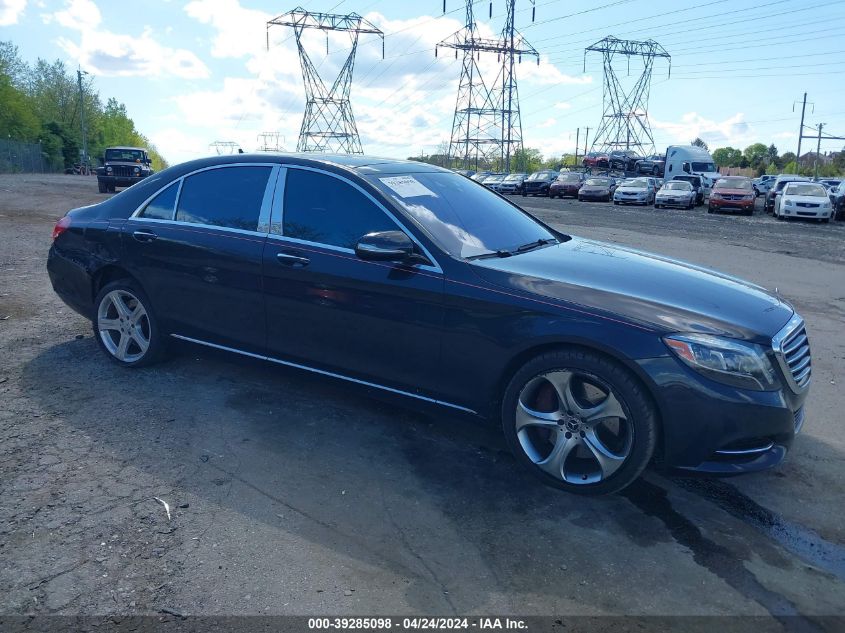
column 124, row 326
column 573, row 426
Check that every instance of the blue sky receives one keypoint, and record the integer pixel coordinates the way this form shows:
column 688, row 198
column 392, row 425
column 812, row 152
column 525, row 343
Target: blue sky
column 196, row 72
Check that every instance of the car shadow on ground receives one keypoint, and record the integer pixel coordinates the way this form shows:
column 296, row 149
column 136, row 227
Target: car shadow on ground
column 432, row 498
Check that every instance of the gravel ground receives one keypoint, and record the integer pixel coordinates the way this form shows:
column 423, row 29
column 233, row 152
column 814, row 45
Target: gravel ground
column 290, row 494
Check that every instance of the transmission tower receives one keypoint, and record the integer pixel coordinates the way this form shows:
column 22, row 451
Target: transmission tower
column 328, row 124
column 270, row 142
column 624, row 123
column 225, row 148
column 487, row 126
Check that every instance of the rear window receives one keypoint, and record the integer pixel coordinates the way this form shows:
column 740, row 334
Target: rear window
column 228, row 197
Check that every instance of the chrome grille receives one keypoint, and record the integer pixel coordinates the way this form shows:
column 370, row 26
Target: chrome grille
column 792, row 348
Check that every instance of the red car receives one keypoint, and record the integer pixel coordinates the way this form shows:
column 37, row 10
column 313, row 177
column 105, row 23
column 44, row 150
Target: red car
column 567, row 184
column 596, row 159
column 735, row 193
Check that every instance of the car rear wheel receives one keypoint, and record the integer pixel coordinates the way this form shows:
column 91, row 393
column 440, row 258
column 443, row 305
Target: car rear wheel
column 125, row 327
column 579, row 422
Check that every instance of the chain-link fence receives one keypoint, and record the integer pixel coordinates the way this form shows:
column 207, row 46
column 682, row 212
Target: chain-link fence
column 17, row 157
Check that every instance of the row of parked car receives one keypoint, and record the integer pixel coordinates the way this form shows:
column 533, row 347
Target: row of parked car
column 625, row 160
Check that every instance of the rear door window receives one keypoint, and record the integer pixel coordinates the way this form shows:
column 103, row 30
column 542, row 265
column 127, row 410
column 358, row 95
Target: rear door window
column 229, row 197
column 162, row 206
column 323, row 209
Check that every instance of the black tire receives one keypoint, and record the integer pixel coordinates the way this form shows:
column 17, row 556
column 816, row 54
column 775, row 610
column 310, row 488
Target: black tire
column 616, row 202
column 601, row 374
column 112, row 188
column 656, row 171
column 102, row 187
column 657, row 206
column 148, row 325
column 749, row 212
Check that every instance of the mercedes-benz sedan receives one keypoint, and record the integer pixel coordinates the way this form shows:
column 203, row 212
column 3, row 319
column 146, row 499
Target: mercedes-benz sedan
column 417, row 282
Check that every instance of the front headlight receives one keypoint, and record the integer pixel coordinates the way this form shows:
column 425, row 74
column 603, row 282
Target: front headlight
column 108, row 170
column 788, row 202
column 732, row 362
column 825, row 205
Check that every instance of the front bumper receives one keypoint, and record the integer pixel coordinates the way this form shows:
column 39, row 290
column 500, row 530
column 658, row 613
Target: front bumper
column 593, row 195
column 120, row 181
column 739, row 205
column 673, row 202
column 716, row 429
column 630, row 199
column 817, row 213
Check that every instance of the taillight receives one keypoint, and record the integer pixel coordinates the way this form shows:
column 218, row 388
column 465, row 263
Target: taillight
column 61, row 226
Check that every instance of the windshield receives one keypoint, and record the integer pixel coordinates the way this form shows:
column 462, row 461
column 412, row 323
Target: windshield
column 462, row 218
column 569, row 178
column 541, row 175
column 598, row 182
column 128, row 155
column 810, row 189
column 733, row 183
column 637, row 183
column 703, row 167
column 514, row 177
column 494, row 179
column 677, row 185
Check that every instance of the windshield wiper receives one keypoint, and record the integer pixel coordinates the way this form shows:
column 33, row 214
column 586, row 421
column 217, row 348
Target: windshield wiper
column 519, row 249
column 532, row 245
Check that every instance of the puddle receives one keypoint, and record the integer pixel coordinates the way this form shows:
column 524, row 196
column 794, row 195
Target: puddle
column 801, row 541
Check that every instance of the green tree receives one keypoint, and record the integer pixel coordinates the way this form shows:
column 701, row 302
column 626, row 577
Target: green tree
column 755, row 154
column 788, row 157
column 16, row 118
column 526, row 160
column 772, row 154
column 699, row 142
column 727, row 157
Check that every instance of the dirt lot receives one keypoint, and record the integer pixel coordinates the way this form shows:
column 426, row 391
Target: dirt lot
column 296, row 495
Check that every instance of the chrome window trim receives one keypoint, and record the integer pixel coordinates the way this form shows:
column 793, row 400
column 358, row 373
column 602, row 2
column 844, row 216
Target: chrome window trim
column 273, row 167
column 434, row 267
column 323, row 372
column 181, row 223
column 795, row 323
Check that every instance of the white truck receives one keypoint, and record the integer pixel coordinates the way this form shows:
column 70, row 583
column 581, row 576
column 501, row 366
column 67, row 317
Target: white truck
column 691, row 160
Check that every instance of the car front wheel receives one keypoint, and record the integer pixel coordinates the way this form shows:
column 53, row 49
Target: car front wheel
column 579, row 421
column 125, row 327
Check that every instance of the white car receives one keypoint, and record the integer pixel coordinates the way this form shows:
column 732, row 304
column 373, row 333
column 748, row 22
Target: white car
column 803, row 200
column 763, row 183
column 675, row 193
column 635, row 191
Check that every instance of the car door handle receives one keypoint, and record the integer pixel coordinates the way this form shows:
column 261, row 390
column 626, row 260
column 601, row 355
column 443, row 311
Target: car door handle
column 144, row 236
column 292, row 260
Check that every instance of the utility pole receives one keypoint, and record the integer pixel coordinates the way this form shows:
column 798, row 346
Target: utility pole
column 586, row 138
column 79, row 73
column 818, row 152
column 800, row 130
column 577, row 138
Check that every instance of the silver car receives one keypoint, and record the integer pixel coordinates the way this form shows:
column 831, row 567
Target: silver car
column 635, row 191
column 675, row 193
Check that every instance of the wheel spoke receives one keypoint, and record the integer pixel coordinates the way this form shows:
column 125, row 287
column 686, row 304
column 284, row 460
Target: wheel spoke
column 609, row 462
column 609, row 408
column 562, row 382
column 137, row 314
column 119, row 305
column 139, row 339
column 109, row 324
column 526, row 416
column 553, row 464
column 123, row 346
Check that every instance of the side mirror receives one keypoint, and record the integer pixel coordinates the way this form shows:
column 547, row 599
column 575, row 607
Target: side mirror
column 385, row 246
column 685, row 167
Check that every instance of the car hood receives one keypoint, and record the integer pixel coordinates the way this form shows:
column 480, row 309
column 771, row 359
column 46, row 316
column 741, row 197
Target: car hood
column 625, row 189
column 734, row 192
column 663, row 293
column 674, row 192
column 809, row 199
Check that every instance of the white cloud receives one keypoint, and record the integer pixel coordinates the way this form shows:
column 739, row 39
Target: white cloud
column 562, row 105
column 733, row 130
column 103, row 52
column 11, row 11
column 240, row 31
column 79, row 15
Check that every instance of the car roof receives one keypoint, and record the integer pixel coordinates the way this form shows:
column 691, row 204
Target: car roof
column 139, row 149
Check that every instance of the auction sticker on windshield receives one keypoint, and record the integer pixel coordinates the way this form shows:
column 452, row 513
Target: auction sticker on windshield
column 407, row 186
